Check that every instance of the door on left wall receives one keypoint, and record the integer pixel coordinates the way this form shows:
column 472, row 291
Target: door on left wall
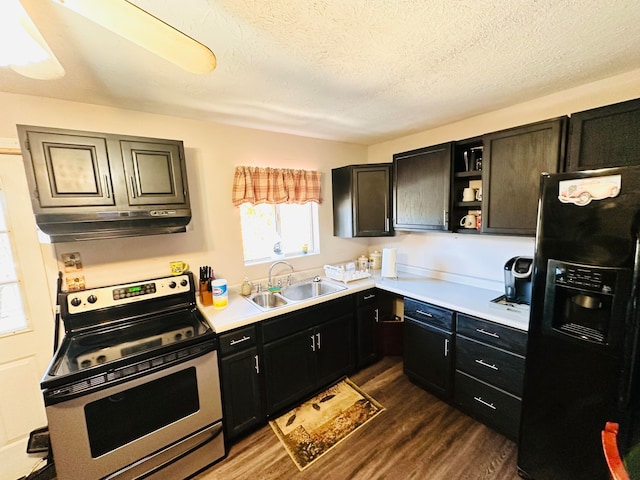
column 27, row 313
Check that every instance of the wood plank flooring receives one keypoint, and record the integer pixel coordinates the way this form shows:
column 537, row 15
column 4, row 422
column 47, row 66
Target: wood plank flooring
column 418, row 437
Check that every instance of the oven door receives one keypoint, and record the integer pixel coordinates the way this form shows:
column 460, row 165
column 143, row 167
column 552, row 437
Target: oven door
column 100, row 433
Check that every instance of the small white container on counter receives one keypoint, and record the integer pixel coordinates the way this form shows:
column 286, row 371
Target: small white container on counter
column 220, row 293
column 375, row 260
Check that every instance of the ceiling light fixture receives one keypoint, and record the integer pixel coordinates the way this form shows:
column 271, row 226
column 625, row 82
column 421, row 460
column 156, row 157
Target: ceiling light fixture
column 22, row 47
column 146, row 31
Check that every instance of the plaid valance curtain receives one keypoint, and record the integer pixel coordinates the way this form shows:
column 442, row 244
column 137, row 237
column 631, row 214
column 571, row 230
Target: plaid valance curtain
column 275, row 185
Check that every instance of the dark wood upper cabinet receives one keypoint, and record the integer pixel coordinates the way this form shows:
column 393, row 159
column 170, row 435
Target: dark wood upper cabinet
column 605, row 137
column 422, row 181
column 91, row 185
column 154, row 172
column 362, row 200
column 70, row 170
column 512, row 163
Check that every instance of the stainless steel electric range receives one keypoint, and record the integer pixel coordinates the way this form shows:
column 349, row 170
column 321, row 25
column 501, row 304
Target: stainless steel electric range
column 133, row 391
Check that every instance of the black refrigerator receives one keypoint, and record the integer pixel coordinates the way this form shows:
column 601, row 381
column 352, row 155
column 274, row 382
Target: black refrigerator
column 581, row 363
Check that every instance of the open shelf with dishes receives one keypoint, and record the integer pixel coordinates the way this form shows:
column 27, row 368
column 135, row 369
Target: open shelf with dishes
column 466, row 186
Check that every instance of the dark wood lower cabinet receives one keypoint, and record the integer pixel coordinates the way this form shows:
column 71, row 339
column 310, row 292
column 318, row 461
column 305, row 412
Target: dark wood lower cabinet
column 306, row 351
column 241, row 391
column 240, row 372
column 427, row 356
column 289, row 370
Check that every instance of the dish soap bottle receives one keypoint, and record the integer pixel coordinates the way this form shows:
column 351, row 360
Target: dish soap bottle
column 245, row 288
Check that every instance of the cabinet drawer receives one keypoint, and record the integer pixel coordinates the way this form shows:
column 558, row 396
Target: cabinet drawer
column 492, row 406
column 492, row 333
column 500, row 368
column 430, row 314
column 237, row 340
column 309, row 317
column 367, row 297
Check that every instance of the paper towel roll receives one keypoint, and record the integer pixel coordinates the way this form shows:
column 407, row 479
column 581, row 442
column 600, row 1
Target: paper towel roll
column 389, row 262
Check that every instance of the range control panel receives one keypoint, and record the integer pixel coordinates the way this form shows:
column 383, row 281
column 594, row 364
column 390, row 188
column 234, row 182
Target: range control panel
column 103, row 297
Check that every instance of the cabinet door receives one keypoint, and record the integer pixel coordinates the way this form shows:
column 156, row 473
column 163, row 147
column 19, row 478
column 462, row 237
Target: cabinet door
column 362, row 200
column 155, row 172
column 372, row 201
column 241, row 389
column 69, row 170
column 605, row 137
column 422, row 181
column 289, row 369
column 333, row 347
column 366, row 334
column 427, row 356
column 512, row 163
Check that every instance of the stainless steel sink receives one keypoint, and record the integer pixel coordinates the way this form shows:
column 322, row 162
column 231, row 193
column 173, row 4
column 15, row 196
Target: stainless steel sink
column 309, row 289
column 267, row 300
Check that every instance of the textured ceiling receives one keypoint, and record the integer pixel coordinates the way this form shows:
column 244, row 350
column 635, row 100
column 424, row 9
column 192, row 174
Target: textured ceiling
column 360, row 71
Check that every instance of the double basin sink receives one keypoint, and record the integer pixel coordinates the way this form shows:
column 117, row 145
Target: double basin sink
column 294, row 293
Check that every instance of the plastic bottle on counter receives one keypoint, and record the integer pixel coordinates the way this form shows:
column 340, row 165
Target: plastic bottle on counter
column 245, row 288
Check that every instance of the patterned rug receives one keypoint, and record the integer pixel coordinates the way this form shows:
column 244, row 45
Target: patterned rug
column 315, row 427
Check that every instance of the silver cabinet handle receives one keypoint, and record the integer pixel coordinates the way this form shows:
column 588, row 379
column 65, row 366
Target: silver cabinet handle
column 377, row 313
column 240, row 340
column 486, row 404
column 318, row 337
column 369, row 297
column 426, row 314
column 386, row 224
column 257, row 364
column 446, row 347
column 485, row 364
column 313, row 343
column 484, row 332
column 133, row 188
column 106, row 186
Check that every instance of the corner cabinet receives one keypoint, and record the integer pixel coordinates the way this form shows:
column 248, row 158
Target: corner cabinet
column 362, row 200
column 306, row 350
column 428, row 346
column 240, row 372
column 421, row 185
column 512, row 163
column 605, row 137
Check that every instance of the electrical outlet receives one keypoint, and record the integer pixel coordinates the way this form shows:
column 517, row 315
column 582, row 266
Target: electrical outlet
column 72, row 262
column 75, row 283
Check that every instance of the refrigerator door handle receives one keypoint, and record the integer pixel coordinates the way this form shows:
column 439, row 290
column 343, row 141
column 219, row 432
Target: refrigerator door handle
column 630, row 348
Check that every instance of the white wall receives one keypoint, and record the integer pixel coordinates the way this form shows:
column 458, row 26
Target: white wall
column 212, row 152
column 479, row 259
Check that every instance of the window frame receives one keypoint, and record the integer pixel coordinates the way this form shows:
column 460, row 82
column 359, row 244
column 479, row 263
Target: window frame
column 313, row 245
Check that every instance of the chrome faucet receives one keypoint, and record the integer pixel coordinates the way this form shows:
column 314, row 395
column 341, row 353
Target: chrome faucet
column 270, row 284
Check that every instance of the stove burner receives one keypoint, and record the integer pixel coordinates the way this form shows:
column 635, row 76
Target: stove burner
column 115, row 352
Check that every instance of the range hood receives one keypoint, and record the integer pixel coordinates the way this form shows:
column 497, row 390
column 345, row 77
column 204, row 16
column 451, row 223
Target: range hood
column 89, row 186
column 71, row 227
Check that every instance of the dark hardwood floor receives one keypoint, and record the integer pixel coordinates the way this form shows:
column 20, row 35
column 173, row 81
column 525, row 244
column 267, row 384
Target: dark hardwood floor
column 417, row 437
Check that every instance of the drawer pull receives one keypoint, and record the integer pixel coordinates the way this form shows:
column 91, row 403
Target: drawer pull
column 486, row 404
column 257, row 367
column 484, row 332
column 369, row 297
column 235, row 342
column 426, row 314
column 485, row 364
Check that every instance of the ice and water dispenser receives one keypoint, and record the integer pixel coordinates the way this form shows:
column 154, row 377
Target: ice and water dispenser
column 585, row 302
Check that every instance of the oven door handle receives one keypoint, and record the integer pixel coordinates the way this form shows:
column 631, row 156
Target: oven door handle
column 145, row 470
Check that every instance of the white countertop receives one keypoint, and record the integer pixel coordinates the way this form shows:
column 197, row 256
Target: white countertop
column 455, row 296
